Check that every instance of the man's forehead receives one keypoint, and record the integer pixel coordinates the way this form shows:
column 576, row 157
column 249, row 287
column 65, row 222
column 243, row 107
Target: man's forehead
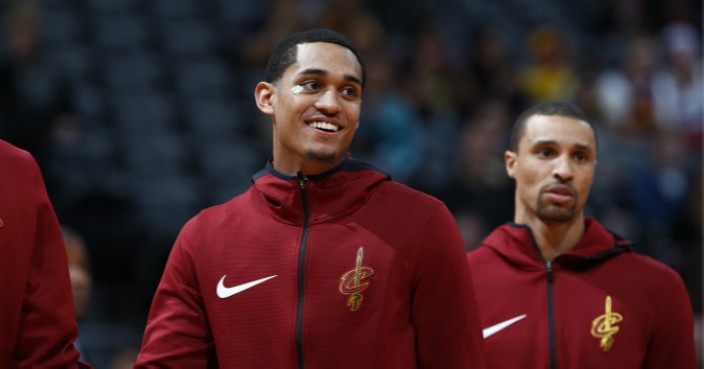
column 325, row 59
column 559, row 129
column 324, row 55
column 320, row 44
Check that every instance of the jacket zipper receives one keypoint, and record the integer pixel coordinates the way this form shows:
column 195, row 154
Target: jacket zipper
column 302, row 180
column 551, row 308
column 551, row 315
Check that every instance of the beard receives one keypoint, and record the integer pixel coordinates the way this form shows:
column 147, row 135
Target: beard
column 553, row 213
column 320, row 157
column 556, row 213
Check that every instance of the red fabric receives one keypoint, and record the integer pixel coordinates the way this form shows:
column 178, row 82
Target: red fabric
column 418, row 309
column 37, row 322
column 510, row 279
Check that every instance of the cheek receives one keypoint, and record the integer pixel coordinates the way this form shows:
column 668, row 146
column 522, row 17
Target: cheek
column 529, row 183
column 527, row 177
column 290, row 106
column 352, row 111
column 585, row 185
column 348, row 138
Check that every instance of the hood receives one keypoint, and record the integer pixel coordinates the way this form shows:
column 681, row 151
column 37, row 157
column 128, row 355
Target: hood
column 516, row 244
column 330, row 195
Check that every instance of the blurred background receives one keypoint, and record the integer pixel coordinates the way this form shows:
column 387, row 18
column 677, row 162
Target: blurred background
column 141, row 113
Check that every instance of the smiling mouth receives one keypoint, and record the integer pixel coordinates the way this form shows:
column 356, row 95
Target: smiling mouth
column 324, row 126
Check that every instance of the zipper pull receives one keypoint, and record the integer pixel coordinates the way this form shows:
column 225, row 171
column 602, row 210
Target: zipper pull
column 302, row 180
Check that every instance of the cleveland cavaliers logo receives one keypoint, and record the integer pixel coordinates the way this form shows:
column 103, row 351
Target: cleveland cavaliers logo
column 352, row 283
column 604, row 326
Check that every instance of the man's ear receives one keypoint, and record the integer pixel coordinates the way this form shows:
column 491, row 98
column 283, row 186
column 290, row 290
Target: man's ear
column 510, row 159
column 264, row 96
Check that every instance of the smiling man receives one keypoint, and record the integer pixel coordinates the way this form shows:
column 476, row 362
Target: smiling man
column 555, row 288
column 315, row 107
column 323, row 262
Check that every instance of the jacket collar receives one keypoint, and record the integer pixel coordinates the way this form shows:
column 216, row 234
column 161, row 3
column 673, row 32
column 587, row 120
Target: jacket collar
column 515, row 242
column 330, row 195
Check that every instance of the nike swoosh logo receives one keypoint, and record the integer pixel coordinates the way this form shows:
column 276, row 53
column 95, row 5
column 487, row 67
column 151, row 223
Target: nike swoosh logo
column 497, row 327
column 225, row 292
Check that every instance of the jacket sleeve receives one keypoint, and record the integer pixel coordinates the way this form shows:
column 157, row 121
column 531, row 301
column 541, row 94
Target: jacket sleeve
column 177, row 334
column 672, row 342
column 47, row 328
column 445, row 313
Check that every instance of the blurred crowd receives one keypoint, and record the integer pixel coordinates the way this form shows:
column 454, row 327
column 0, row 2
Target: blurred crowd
column 140, row 113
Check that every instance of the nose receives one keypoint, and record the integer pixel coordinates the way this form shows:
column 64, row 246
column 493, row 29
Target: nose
column 563, row 169
column 328, row 102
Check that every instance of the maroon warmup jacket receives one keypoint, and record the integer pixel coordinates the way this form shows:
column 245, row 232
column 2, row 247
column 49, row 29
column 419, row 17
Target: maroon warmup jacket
column 342, row 270
column 37, row 321
column 600, row 305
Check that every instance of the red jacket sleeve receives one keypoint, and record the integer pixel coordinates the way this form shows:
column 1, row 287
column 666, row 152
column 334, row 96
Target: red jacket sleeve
column 47, row 327
column 672, row 342
column 445, row 313
column 177, row 334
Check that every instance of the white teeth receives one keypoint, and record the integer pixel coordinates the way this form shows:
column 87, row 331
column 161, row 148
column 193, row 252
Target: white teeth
column 325, row 126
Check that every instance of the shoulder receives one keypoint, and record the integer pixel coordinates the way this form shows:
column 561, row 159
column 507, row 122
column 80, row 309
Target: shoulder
column 654, row 273
column 416, row 209
column 480, row 255
column 669, row 307
column 221, row 213
column 405, row 193
column 8, row 149
column 21, row 174
column 647, row 277
column 488, row 268
column 15, row 158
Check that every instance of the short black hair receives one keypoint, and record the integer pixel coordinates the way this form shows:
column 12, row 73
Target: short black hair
column 285, row 54
column 559, row 108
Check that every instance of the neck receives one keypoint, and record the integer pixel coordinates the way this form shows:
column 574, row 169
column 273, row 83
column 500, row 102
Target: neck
column 306, row 168
column 555, row 238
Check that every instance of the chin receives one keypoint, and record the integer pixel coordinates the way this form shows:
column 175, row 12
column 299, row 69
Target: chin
column 556, row 214
column 322, row 157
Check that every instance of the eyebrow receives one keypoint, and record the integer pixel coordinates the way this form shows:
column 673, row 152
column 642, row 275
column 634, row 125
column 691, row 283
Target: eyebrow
column 582, row 147
column 321, row 72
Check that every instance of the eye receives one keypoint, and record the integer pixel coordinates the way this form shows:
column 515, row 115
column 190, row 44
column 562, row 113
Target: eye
column 311, row 85
column 545, row 152
column 580, row 156
column 350, row 91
